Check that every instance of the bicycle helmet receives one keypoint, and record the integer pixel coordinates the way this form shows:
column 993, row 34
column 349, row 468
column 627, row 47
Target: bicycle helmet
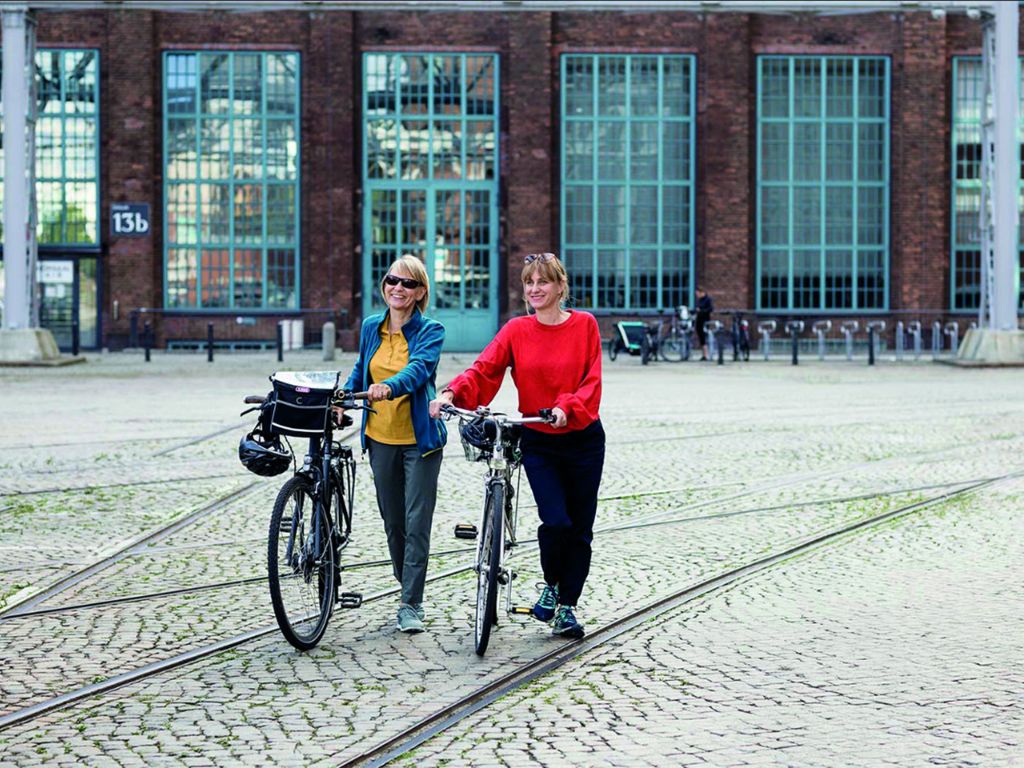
column 262, row 455
column 479, row 433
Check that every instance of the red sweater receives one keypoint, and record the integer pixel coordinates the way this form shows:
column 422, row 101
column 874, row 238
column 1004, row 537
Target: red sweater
column 553, row 366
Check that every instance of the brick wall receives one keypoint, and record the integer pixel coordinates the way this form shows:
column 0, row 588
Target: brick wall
column 529, row 45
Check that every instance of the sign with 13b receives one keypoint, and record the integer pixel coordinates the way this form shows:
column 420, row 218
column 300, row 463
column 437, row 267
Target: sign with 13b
column 129, row 219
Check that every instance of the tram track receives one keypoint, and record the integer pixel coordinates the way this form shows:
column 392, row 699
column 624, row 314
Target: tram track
column 451, row 714
column 611, row 528
column 442, row 719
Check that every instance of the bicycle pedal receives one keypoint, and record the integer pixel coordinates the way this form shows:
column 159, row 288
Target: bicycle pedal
column 350, row 599
column 465, row 531
column 522, row 610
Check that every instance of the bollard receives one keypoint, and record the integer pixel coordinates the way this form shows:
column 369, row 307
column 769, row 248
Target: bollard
column 75, row 338
column 821, row 327
column 875, row 328
column 721, row 351
column 915, row 331
column 899, row 340
column 795, row 328
column 280, row 340
column 133, row 334
column 147, row 340
column 765, row 328
column 936, row 338
column 327, row 340
column 209, row 342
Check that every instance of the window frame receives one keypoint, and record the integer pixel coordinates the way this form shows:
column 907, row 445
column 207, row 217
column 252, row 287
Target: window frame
column 626, row 184
column 791, row 249
column 263, row 246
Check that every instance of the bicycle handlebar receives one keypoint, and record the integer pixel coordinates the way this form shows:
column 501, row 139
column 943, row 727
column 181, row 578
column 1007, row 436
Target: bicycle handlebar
column 545, row 417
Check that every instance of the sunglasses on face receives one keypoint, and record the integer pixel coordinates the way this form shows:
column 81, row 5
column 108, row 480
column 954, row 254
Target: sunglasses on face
column 532, row 257
column 406, row 282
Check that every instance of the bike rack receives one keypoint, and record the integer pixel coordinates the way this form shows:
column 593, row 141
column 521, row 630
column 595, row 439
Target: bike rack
column 794, row 328
column 874, row 328
column 898, row 341
column 952, row 330
column 849, row 327
column 766, row 328
column 936, row 338
column 914, row 328
column 712, row 327
column 821, row 327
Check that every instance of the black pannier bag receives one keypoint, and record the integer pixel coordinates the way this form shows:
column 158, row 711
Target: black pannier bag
column 302, row 402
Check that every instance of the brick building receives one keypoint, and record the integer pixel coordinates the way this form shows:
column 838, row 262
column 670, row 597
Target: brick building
column 794, row 165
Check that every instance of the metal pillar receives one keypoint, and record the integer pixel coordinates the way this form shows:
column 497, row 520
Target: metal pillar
column 999, row 169
column 21, row 308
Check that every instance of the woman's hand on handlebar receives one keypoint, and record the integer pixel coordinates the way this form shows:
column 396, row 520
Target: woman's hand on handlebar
column 378, row 392
column 560, row 419
column 443, row 399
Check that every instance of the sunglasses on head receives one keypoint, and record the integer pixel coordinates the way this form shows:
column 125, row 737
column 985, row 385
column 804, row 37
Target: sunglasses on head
column 407, row 282
column 532, row 257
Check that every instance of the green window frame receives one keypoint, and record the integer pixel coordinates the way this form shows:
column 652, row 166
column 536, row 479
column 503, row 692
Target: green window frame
column 231, row 187
column 822, row 234
column 67, row 147
column 965, row 187
column 430, row 168
column 627, row 179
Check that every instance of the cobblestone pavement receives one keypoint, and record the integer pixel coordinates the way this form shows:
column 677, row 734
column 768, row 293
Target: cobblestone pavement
column 895, row 645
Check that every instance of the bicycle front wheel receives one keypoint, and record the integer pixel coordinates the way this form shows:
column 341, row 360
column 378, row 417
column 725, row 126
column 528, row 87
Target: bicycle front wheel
column 672, row 348
column 488, row 562
column 300, row 565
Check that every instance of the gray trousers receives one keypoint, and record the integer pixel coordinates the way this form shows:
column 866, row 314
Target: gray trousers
column 406, row 486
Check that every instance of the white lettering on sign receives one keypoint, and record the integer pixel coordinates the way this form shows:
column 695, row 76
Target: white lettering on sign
column 130, row 223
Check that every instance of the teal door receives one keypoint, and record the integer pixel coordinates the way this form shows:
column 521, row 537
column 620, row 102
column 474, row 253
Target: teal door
column 430, row 175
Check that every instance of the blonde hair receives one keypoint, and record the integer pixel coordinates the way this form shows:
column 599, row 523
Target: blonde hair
column 413, row 267
column 550, row 268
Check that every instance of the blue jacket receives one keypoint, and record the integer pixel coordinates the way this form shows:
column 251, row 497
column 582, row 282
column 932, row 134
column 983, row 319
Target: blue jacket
column 425, row 338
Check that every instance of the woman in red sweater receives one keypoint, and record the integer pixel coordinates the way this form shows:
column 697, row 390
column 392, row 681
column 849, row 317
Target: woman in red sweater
column 555, row 356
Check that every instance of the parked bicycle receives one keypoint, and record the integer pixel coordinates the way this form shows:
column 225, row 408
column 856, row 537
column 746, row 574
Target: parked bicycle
column 674, row 336
column 311, row 522
column 494, row 438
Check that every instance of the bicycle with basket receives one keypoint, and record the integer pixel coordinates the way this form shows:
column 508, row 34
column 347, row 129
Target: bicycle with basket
column 311, row 522
column 494, row 438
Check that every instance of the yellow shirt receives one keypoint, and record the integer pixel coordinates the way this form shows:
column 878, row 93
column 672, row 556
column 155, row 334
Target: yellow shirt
column 392, row 424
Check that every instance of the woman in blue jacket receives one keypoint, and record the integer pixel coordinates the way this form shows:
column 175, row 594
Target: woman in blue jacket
column 397, row 363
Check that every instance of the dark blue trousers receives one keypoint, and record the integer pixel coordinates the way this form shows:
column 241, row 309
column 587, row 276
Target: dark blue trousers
column 565, row 473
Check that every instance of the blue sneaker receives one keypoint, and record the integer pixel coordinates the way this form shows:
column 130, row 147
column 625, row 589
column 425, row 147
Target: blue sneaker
column 565, row 624
column 408, row 621
column 544, row 608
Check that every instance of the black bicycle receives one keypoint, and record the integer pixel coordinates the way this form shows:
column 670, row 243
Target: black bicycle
column 311, row 522
column 494, row 438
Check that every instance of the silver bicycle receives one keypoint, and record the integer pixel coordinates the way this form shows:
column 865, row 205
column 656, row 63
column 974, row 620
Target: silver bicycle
column 494, row 438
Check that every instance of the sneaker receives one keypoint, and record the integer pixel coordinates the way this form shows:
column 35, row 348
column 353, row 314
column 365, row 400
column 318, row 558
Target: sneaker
column 565, row 624
column 408, row 620
column 418, row 607
column 544, row 609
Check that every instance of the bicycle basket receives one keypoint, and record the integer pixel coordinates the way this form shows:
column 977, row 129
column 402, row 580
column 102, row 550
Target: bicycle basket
column 477, row 439
column 302, row 402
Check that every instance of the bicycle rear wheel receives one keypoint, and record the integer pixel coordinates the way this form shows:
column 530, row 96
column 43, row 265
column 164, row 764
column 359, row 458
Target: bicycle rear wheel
column 300, row 565
column 492, row 536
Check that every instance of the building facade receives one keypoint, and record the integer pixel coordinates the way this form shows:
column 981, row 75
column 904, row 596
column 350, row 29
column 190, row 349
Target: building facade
column 243, row 168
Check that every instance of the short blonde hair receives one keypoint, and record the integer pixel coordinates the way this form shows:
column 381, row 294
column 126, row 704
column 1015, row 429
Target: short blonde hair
column 414, row 268
column 550, row 268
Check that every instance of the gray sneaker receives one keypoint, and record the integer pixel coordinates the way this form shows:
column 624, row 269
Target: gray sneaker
column 408, row 620
column 418, row 607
